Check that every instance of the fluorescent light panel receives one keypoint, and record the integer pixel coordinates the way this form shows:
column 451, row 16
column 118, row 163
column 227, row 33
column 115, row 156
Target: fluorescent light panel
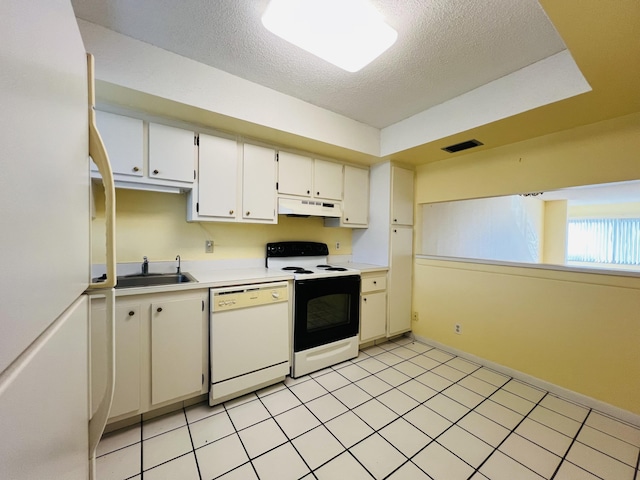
column 347, row 33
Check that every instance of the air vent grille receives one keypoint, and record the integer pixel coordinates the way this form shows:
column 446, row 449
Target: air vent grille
column 458, row 147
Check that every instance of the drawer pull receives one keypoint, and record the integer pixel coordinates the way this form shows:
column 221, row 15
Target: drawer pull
column 136, row 169
column 155, row 172
column 132, row 313
column 375, row 283
column 159, row 309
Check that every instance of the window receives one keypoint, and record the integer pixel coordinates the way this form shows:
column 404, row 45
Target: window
column 604, row 240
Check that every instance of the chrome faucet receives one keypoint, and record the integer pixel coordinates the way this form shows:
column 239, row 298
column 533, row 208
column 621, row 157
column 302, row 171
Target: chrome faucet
column 145, row 266
column 178, row 259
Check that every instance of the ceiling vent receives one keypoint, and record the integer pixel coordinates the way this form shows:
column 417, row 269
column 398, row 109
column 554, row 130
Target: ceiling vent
column 458, row 147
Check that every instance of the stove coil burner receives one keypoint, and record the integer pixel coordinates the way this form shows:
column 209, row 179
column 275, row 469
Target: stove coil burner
column 297, row 270
column 331, row 268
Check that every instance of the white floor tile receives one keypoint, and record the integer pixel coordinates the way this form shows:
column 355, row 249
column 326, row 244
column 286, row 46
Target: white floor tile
column 372, row 365
column 568, row 471
column 270, row 389
column 183, row 467
column 280, row 401
column 502, row 415
column 352, row 395
column 525, row 391
column 427, row 421
column 121, row 464
column 392, row 377
column 326, row 408
column 397, row 401
column 555, row 421
column 466, row 446
column 372, row 351
column 283, row 463
column 163, row 423
column 378, row 456
column 614, row 428
column 317, row 446
column 436, row 382
column 463, row 396
column 489, row 376
column 599, row 464
column 409, row 471
column 119, row 439
column 408, row 368
column 390, row 358
column 249, row 397
column 202, row 410
column 449, row 373
column 388, row 345
column 418, row 347
column 449, row 409
column 417, row 390
column 349, row 429
column 501, row 467
column 484, row 428
column 297, row 421
column 425, row 362
column 244, row 472
column 308, row 390
column 405, row 437
column 332, row 381
column 221, row 456
column 165, row 447
column 441, row 464
column 247, row 414
column 354, row 372
column 262, row 437
column 210, row 429
column 463, row 365
column 513, row 401
column 623, row 451
column 565, row 407
column 343, row 466
column 530, row 455
column 439, row 355
column 373, row 385
column 404, row 352
column 290, row 381
column 375, row 414
column 478, row 386
column 544, row 436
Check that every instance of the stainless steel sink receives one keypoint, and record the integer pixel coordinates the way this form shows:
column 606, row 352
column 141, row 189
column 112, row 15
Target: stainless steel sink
column 152, row 279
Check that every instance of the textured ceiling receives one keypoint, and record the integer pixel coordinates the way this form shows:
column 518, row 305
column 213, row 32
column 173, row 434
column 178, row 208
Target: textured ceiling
column 444, row 49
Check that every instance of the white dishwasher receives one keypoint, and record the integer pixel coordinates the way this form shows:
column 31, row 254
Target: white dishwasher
column 250, row 338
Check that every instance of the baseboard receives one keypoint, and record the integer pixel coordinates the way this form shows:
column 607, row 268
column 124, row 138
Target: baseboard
column 600, row 406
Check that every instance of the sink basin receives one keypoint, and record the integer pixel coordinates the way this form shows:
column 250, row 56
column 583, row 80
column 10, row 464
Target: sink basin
column 151, row 279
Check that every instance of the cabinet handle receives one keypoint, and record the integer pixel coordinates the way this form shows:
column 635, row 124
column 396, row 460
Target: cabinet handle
column 395, row 231
column 136, row 169
column 132, row 313
column 365, row 299
column 317, row 193
column 248, row 213
column 159, row 309
column 155, row 172
column 230, row 212
column 308, row 192
column 346, row 219
column 375, row 283
column 395, row 220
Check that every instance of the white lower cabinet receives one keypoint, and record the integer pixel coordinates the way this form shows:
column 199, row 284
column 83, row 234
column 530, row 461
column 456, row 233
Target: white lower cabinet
column 161, row 356
column 373, row 307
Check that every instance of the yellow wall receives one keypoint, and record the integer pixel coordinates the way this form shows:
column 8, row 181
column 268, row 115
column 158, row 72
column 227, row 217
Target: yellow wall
column 154, row 224
column 554, row 245
column 629, row 209
column 579, row 331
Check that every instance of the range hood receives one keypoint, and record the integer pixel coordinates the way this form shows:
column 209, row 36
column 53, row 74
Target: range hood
column 309, row 208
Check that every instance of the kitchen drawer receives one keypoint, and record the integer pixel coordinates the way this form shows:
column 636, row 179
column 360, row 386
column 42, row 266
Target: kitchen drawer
column 374, row 283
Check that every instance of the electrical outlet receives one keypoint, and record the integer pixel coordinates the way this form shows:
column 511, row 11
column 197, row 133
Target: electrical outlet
column 458, row 329
column 337, row 245
column 208, row 246
column 414, row 316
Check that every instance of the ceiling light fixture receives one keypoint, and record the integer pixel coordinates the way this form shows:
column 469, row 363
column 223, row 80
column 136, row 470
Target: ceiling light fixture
column 347, row 33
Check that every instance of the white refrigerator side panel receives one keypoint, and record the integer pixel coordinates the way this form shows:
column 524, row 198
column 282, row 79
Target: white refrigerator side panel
column 44, row 184
column 44, row 408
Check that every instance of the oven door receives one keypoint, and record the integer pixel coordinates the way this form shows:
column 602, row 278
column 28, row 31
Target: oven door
column 325, row 310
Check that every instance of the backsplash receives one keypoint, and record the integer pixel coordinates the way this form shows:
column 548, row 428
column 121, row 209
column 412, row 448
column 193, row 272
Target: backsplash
column 154, row 225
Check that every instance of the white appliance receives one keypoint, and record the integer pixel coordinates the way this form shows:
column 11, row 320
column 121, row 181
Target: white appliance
column 45, row 143
column 256, row 318
column 326, row 305
column 309, row 208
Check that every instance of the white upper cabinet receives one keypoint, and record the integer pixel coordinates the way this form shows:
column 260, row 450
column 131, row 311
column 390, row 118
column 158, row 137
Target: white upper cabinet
column 123, row 138
column 401, row 196
column 327, row 180
column 259, row 184
column 355, row 203
column 294, row 174
column 171, row 153
column 217, row 178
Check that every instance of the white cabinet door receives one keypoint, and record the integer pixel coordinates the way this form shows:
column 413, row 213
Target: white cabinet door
column 171, row 153
column 399, row 282
column 123, row 138
column 327, row 180
column 355, row 204
column 258, row 184
column 401, row 196
column 294, row 174
column 217, row 177
column 176, row 349
column 373, row 316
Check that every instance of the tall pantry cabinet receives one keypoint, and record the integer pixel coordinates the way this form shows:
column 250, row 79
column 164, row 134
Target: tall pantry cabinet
column 389, row 239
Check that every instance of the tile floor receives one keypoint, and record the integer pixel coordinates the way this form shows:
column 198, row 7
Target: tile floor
column 401, row 410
